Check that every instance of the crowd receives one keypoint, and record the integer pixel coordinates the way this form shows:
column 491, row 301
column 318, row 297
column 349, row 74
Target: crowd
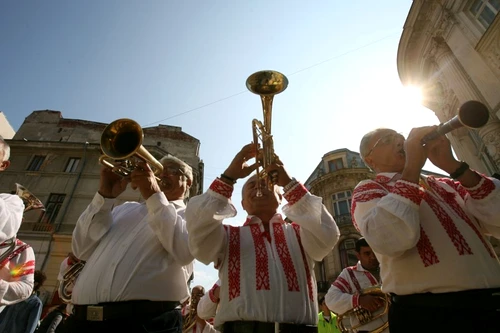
column 424, row 260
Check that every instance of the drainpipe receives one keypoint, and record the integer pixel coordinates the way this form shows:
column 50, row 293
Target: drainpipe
column 65, row 209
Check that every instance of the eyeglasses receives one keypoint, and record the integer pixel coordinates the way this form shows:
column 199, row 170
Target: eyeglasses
column 385, row 140
column 172, row 170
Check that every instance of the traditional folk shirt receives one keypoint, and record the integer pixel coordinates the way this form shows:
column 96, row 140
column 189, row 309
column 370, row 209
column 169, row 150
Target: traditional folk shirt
column 430, row 237
column 134, row 251
column 344, row 293
column 207, row 305
column 265, row 276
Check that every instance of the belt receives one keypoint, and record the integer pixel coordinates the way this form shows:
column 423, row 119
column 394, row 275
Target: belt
column 118, row 310
column 488, row 299
column 261, row 327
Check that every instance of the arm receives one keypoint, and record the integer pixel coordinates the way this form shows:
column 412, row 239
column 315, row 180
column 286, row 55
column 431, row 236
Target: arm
column 20, row 285
column 319, row 232
column 389, row 221
column 11, row 215
column 169, row 227
column 91, row 226
column 207, row 306
column 204, row 216
column 341, row 296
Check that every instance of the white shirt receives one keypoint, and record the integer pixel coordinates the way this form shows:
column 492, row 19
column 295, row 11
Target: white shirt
column 207, row 305
column 136, row 251
column 266, row 277
column 344, row 293
column 430, row 238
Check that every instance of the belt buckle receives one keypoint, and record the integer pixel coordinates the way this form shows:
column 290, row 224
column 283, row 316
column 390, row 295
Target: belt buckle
column 95, row 313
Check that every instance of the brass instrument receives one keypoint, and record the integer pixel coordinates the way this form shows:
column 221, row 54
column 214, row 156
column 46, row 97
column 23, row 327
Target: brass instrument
column 30, row 202
column 364, row 316
column 266, row 84
column 121, row 142
column 471, row 114
column 69, row 280
column 189, row 321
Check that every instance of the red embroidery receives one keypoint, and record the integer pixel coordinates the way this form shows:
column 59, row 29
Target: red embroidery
column 343, row 285
column 285, row 257
column 355, row 281
column 373, row 280
column 296, row 228
column 295, row 194
column 408, row 191
column 211, row 294
column 234, row 263
column 218, row 186
column 451, row 229
column 23, row 246
column 261, row 259
column 355, row 300
column 426, row 250
column 453, row 204
column 23, row 269
column 486, row 186
column 434, row 183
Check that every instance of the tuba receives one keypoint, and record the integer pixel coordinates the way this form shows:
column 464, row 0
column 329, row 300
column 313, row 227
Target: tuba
column 69, row 279
column 121, row 144
column 471, row 114
column 266, row 84
column 364, row 316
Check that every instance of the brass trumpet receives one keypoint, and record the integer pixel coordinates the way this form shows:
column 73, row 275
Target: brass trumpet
column 472, row 114
column 69, row 280
column 266, row 84
column 121, row 144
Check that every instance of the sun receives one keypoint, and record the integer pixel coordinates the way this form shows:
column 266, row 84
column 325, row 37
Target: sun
column 412, row 95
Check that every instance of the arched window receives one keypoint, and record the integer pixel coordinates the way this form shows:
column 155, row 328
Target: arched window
column 347, row 250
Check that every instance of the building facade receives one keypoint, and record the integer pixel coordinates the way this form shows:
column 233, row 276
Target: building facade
column 334, row 180
column 451, row 50
column 6, row 130
column 57, row 160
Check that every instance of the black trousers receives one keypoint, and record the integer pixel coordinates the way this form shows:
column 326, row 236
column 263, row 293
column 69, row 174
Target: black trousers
column 450, row 312
column 168, row 322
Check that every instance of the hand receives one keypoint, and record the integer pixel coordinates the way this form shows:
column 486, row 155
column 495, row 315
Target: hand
column 370, row 302
column 278, row 174
column 416, row 153
column 144, row 179
column 440, row 154
column 238, row 167
column 111, row 185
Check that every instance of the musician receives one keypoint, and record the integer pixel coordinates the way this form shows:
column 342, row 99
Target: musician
column 137, row 256
column 265, row 265
column 430, row 233
column 345, row 292
column 17, row 259
column 193, row 323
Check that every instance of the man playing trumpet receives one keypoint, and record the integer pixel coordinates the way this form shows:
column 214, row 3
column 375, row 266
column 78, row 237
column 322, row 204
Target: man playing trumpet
column 346, row 293
column 137, row 256
column 430, row 234
column 265, row 265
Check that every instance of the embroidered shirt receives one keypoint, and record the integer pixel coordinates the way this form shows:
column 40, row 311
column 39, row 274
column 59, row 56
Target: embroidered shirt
column 430, row 238
column 264, row 276
column 136, row 251
column 208, row 303
column 343, row 294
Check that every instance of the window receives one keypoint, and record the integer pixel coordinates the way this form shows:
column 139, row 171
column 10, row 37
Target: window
column 52, row 208
column 485, row 11
column 36, row 163
column 341, row 203
column 72, row 165
column 347, row 250
column 335, row 164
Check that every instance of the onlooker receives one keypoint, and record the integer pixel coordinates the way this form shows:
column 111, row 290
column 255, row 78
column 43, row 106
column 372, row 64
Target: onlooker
column 327, row 320
column 23, row 317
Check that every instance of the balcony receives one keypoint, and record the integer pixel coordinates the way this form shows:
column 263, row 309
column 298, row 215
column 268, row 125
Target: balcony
column 343, row 220
column 37, row 227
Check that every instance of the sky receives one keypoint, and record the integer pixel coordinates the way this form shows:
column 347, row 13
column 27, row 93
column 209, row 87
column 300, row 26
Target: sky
column 185, row 63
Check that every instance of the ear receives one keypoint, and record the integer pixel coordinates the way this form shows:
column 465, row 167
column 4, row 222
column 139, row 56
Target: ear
column 4, row 165
column 189, row 182
column 358, row 256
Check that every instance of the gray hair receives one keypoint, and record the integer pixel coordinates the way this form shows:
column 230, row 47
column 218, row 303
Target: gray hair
column 185, row 168
column 6, row 149
column 364, row 146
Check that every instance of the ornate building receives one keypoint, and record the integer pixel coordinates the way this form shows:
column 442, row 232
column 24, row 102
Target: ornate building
column 451, row 49
column 57, row 160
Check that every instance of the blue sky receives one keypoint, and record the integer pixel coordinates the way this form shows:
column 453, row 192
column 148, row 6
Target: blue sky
column 184, row 63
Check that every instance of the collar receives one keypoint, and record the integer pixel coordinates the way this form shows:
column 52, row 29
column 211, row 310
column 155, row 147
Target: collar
column 178, row 203
column 387, row 177
column 251, row 219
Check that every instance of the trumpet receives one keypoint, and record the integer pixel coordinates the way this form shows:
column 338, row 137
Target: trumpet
column 266, row 84
column 69, row 279
column 121, row 144
column 472, row 114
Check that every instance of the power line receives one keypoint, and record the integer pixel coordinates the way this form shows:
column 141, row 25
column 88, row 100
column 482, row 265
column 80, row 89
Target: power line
column 296, row 72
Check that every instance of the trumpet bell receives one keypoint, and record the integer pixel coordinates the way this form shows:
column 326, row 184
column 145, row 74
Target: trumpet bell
column 121, row 138
column 473, row 114
column 30, row 201
column 267, row 83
